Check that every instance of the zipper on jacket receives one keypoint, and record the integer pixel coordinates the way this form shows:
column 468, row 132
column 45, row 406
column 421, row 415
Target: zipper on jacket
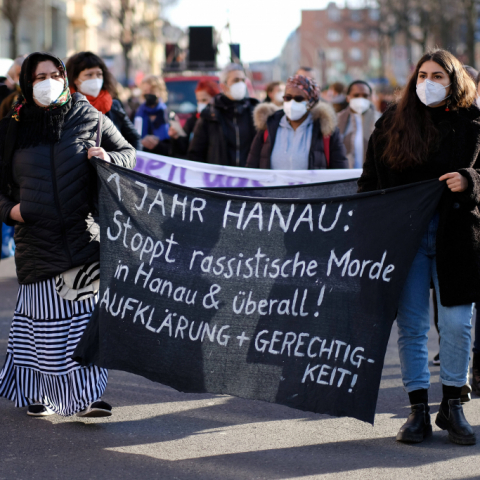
column 57, row 204
column 237, row 138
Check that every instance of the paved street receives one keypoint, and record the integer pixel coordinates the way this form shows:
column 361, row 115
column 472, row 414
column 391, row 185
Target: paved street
column 159, row 433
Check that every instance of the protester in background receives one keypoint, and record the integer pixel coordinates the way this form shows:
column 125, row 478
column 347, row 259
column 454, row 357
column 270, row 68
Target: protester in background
column 433, row 132
column 88, row 74
column 151, row 118
column 224, row 132
column 11, row 89
column 306, row 72
column 275, row 92
column 47, row 191
column 336, row 96
column 304, row 135
column 205, row 91
column 357, row 122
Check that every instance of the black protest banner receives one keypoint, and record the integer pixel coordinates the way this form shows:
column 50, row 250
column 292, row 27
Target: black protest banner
column 264, row 299
column 309, row 190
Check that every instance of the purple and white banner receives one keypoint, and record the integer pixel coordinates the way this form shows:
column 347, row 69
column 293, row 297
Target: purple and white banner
column 205, row 175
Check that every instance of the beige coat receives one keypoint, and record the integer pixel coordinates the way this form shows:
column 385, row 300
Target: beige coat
column 346, row 123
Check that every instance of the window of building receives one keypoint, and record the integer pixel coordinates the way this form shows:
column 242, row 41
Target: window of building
column 356, row 54
column 355, row 35
column 334, row 35
column 334, row 54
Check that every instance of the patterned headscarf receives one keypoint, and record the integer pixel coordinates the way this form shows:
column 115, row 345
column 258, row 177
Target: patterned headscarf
column 32, row 124
column 307, row 85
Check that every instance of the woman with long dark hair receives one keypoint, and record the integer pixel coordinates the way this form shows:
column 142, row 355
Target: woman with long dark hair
column 88, row 74
column 47, row 191
column 433, row 132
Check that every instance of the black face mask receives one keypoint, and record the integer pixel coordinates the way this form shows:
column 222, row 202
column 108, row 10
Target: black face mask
column 150, row 99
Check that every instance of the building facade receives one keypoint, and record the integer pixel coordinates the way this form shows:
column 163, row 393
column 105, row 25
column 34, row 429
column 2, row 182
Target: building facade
column 341, row 44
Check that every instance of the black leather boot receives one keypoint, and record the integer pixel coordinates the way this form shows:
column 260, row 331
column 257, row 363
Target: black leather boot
column 417, row 427
column 459, row 430
column 476, row 373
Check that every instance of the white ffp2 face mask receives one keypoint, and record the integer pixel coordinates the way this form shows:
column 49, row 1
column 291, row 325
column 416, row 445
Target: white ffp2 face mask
column 48, row 91
column 201, row 106
column 431, row 93
column 359, row 105
column 295, row 110
column 238, row 90
column 91, row 87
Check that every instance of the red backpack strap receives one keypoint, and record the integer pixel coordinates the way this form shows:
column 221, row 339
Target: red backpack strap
column 265, row 136
column 326, row 147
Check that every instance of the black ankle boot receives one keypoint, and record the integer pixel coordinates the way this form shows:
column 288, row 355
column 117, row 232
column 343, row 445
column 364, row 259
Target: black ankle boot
column 476, row 373
column 417, row 427
column 459, row 430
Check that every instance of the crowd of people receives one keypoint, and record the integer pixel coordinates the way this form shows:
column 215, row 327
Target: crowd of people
column 330, row 128
column 55, row 116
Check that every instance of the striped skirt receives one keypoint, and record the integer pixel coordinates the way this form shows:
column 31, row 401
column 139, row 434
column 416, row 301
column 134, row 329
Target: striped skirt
column 38, row 368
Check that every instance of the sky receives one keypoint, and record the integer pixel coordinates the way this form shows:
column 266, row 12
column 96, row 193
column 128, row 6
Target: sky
column 260, row 26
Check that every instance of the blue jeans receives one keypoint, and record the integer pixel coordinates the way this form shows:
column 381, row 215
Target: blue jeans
column 413, row 320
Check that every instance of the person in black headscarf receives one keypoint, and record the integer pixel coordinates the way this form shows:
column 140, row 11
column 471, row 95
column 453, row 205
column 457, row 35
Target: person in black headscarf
column 47, row 191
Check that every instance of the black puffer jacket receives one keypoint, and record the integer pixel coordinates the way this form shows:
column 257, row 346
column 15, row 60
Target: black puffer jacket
column 52, row 183
column 224, row 132
column 120, row 119
column 458, row 235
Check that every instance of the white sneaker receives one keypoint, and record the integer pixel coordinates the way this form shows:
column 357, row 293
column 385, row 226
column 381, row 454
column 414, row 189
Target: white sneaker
column 39, row 410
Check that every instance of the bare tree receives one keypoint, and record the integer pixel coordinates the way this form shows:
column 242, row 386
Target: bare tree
column 11, row 10
column 470, row 8
column 134, row 20
column 443, row 23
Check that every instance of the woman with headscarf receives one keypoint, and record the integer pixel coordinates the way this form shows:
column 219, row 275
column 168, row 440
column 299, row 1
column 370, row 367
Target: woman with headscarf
column 47, row 191
column 304, row 135
column 88, row 74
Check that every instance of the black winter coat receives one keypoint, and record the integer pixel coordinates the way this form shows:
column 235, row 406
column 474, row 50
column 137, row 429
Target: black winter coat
column 324, row 125
column 120, row 119
column 52, row 183
column 224, row 132
column 179, row 146
column 458, row 235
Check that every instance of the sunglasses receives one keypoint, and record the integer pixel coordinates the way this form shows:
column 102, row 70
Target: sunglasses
column 297, row 98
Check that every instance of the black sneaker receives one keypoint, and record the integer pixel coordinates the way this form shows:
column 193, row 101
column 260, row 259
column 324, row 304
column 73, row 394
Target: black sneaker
column 38, row 410
column 436, row 359
column 96, row 409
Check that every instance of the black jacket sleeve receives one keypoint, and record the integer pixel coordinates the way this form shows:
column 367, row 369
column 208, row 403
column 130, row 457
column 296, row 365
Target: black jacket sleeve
column 368, row 182
column 179, row 146
column 199, row 145
column 253, row 159
column 119, row 150
column 6, row 205
column 123, row 123
column 338, row 154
